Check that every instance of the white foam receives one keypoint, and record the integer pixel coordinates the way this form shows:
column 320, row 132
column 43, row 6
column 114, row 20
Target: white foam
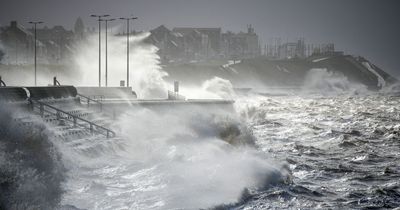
column 172, row 159
column 322, row 81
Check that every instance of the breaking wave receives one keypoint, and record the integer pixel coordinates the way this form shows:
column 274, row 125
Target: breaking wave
column 31, row 170
column 187, row 158
column 220, row 87
column 214, row 88
column 322, row 81
column 146, row 75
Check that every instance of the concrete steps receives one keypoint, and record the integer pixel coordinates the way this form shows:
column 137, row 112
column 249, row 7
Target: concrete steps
column 63, row 124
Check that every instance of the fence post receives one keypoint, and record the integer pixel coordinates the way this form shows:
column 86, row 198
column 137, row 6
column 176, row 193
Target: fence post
column 91, row 128
column 41, row 108
column 31, row 106
column 2, row 84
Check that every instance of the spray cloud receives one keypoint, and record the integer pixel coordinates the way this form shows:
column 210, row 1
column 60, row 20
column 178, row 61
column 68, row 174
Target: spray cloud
column 146, row 76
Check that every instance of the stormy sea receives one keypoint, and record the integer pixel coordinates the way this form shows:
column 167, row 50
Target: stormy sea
column 278, row 149
column 342, row 152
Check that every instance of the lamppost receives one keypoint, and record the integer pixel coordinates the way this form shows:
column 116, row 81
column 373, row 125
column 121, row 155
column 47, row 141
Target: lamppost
column 34, row 24
column 106, row 21
column 127, row 47
column 99, row 19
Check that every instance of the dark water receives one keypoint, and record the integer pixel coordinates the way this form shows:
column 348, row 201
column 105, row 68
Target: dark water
column 343, row 151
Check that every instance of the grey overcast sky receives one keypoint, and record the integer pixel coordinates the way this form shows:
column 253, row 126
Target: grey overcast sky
column 361, row 27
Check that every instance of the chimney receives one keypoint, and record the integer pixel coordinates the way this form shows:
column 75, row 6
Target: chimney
column 250, row 29
column 13, row 24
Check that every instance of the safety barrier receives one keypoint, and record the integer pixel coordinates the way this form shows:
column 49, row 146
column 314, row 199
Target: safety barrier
column 36, row 93
column 13, row 94
column 95, row 101
column 60, row 114
column 55, row 92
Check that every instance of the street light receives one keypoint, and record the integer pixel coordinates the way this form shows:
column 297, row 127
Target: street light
column 127, row 47
column 34, row 24
column 106, row 21
column 99, row 19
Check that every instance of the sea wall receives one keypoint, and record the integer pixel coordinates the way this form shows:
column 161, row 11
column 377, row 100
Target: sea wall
column 290, row 72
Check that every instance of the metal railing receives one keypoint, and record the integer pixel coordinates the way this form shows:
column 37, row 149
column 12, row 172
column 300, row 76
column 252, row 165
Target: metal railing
column 97, row 99
column 88, row 100
column 91, row 126
column 2, row 83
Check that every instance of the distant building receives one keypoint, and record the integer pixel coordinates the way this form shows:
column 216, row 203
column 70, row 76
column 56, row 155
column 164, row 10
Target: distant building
column 79, row 29
column 186, row 44
column 58, row 42
column 299, row 49
column 196, row 45
column 241, row 45
column 18, row 44
column 209, row 38
column 292, row 50
column 53, row 44
column 324, row 49
column 170, row 44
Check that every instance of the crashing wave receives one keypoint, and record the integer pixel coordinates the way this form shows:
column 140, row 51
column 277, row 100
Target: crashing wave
column 322, row 81
column 31, row 170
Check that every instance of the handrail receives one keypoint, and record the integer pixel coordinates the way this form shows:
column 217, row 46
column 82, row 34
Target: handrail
column 2, row 83
column 89, row 99
column 97, row 97
column 74, row 117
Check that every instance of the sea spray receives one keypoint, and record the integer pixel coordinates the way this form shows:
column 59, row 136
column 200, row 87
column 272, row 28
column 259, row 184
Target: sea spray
column 146, row 76
column 31, row 170
column 220, row 87
column 199, row 169
column 172, row 159
column 213, row 88
column 322, row 81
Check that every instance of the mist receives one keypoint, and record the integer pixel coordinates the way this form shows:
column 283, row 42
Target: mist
column 146, row 76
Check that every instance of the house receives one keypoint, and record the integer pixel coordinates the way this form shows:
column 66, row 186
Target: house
column 210, row 39
column 18, row 44
column 241, row 45
column 170, row 44
column 58, row 42
column 188, row 44
column 53, row 45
